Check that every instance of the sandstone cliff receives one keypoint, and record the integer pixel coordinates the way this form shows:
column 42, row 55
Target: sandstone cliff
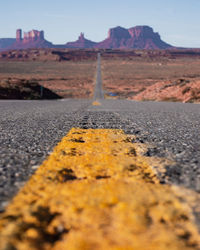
column 31, row 39
column 139, row 37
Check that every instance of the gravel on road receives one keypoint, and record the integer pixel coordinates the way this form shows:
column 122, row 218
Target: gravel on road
column 30, row 130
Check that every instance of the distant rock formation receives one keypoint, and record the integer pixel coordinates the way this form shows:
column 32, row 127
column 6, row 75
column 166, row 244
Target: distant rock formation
column 31, row 39
column 19, row 36
column 33, row 35
column 6, row 42
column 139, row 37
column 81, row 43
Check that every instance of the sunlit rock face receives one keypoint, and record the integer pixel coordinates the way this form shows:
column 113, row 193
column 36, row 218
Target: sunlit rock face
column 139, row 37
column 30, row 39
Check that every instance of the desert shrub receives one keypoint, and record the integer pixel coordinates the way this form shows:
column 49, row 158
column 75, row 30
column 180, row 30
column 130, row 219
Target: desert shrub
column 195, row 92
column 185, row 90
column 166, row 86
column 181, row 82
column 141, row 90
column 194, row 99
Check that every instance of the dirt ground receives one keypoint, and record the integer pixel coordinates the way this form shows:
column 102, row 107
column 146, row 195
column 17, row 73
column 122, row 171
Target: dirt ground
column 68, row 79
column 152, row 78
column 157, row 75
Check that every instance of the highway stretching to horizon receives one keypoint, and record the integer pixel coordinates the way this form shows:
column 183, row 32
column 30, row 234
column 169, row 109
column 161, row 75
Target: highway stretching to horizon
column 166, row 136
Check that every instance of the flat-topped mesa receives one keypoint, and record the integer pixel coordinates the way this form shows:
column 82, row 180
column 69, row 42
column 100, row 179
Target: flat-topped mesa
column 118, row 33
column 30, row 36
column 33, row 35
column 138, row 37
column 31, row 39
column 144, row 31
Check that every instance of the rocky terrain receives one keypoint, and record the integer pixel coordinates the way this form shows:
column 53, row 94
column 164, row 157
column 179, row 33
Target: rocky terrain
column 49, row 55
column 69, row 74
column 138, row 37
column 152, row 75
column 73, row 54
column 21, row 89
column 180, row 90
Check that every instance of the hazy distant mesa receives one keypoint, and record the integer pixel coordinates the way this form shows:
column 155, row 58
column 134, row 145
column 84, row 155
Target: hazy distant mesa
column 32, row 35
column 138, row 37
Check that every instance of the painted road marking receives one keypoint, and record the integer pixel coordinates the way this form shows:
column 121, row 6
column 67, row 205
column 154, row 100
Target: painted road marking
column 96, row 103
column 96, row 191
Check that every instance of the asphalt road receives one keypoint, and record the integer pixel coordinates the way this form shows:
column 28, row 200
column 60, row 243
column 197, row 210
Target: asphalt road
column 30, row 129
column 98, row 92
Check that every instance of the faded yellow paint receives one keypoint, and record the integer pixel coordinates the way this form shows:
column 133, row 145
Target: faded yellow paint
column 97, row 191
column 96, row 103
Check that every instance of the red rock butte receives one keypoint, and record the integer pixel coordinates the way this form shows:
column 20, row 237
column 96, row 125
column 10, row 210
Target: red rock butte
column 138, row 37
column 30, row 39
column 81, row 43
column 30, row 36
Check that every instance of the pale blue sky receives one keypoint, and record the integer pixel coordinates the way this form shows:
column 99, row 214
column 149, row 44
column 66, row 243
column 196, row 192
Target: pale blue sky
column 177, row 21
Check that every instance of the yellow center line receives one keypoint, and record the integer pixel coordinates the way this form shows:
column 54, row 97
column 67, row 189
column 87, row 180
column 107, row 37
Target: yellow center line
column 96, row 103
column 97, row 191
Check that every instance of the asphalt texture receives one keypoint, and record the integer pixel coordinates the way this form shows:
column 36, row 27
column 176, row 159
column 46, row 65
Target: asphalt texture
column 98, row 92
column 30, row 129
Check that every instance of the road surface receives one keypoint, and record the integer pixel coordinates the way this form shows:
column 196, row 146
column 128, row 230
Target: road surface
column 98, row 92
column 29, row 130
